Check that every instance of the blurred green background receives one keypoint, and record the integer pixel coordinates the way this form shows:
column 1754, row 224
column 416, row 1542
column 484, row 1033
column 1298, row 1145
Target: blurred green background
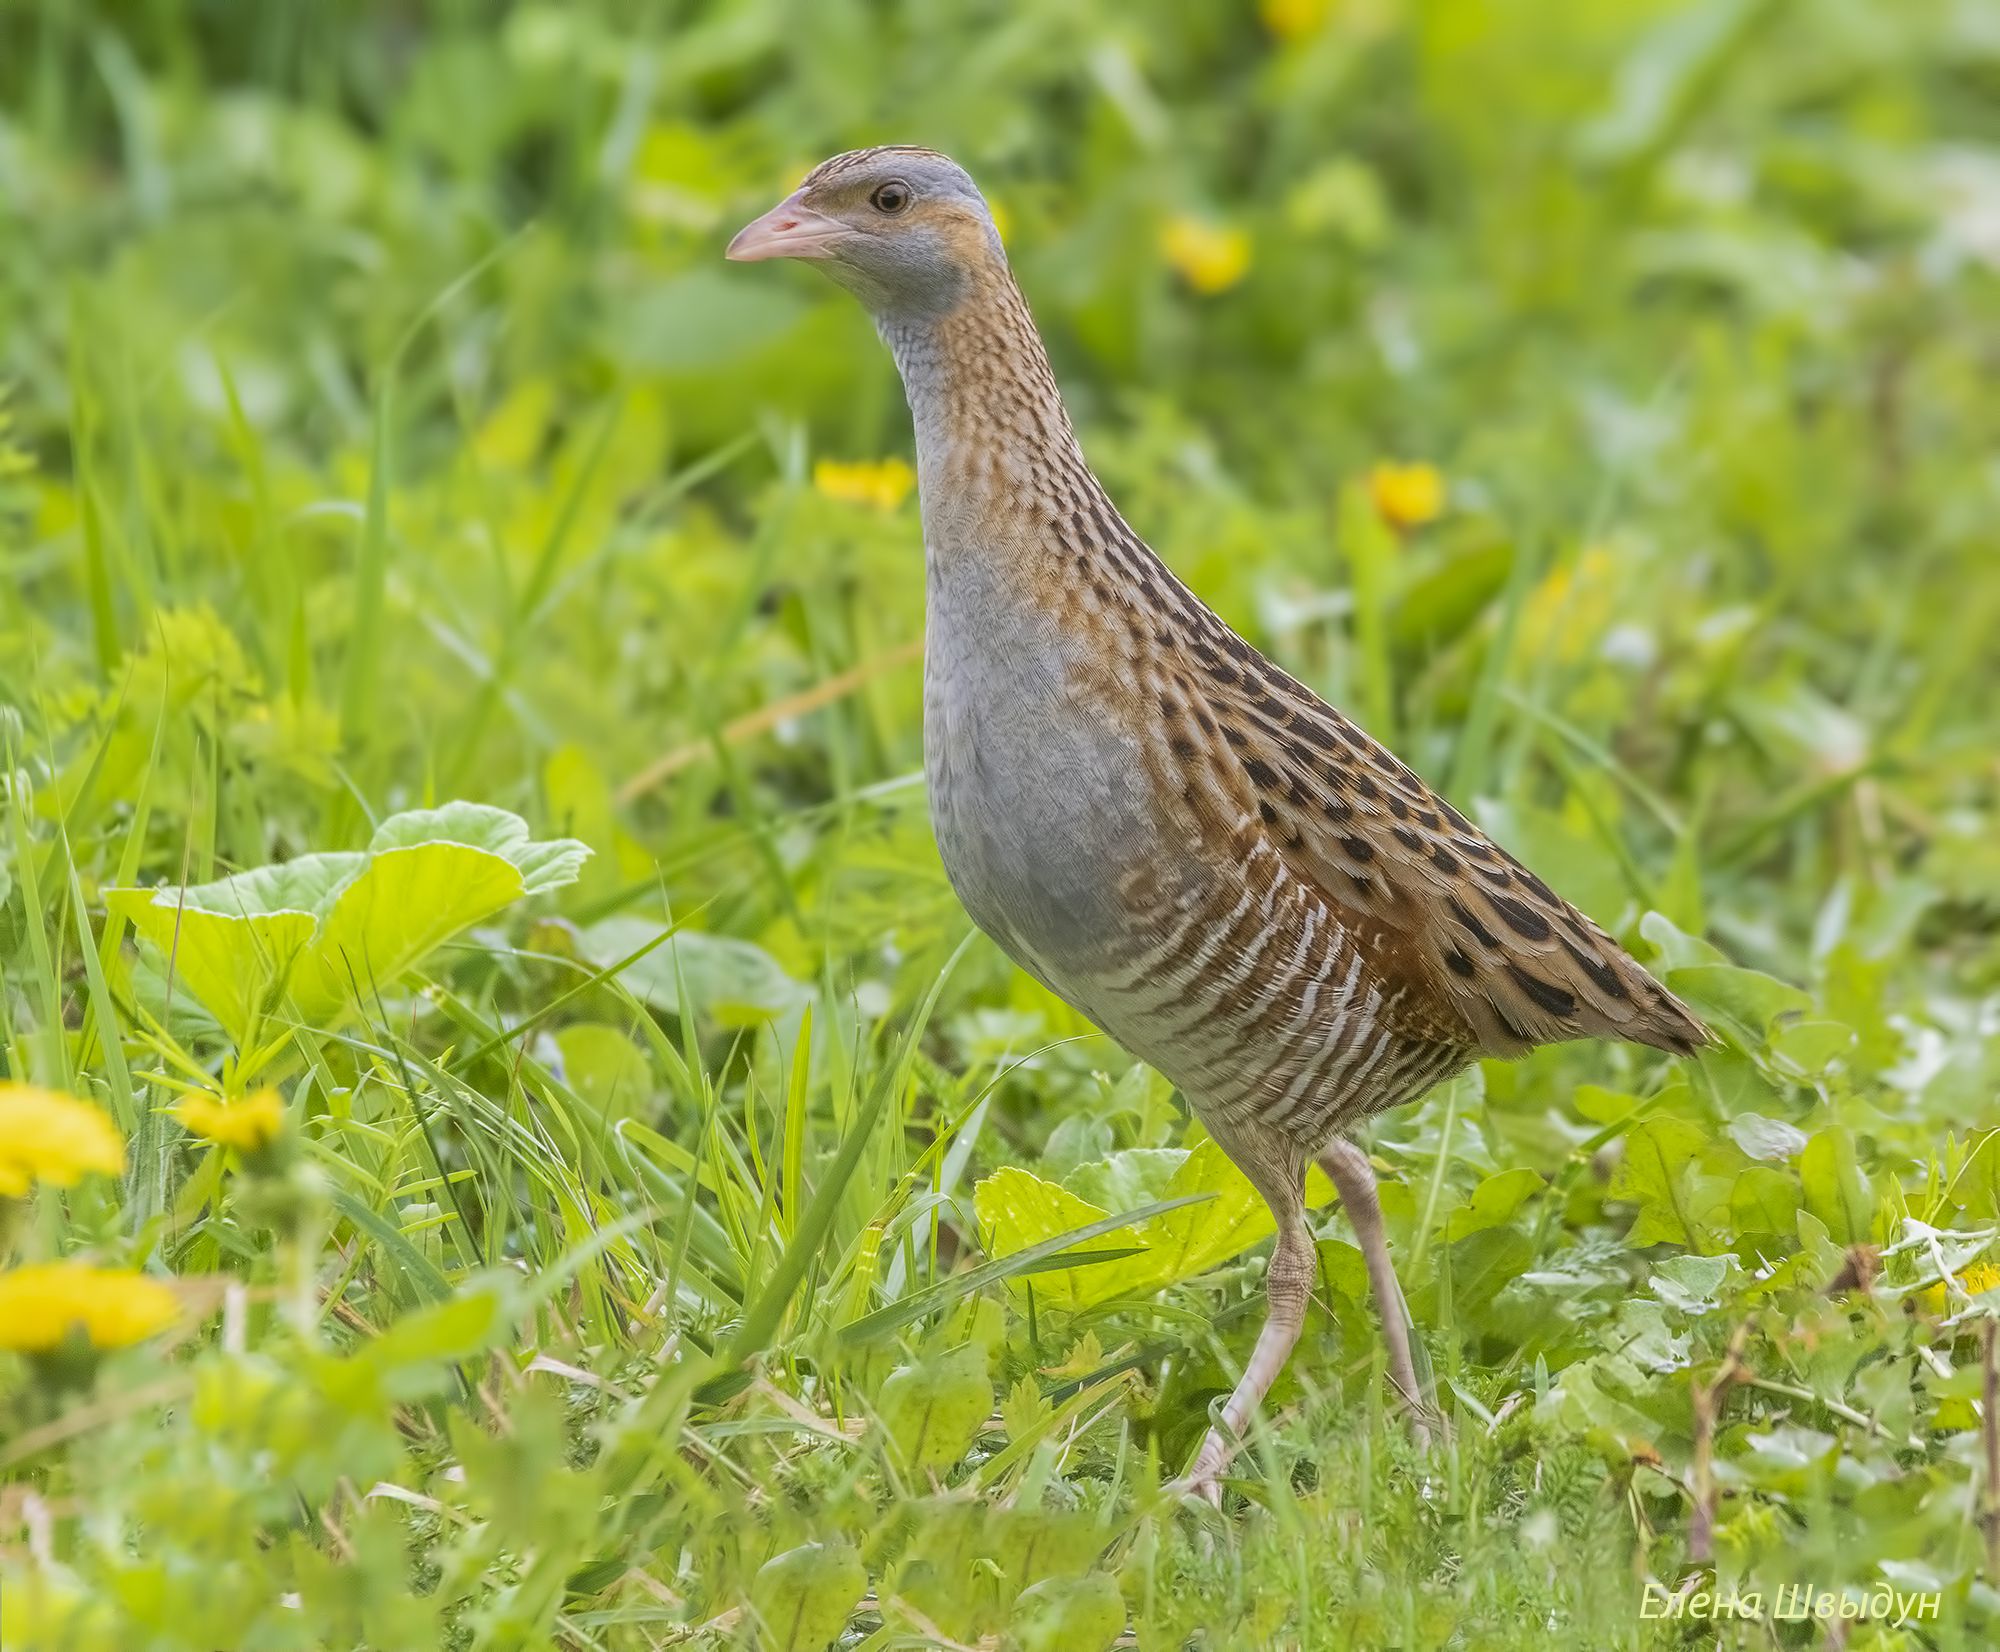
column 381, row 426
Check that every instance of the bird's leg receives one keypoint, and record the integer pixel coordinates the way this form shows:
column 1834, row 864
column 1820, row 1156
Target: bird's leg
column 1353, row 1178
column 1287, row 1286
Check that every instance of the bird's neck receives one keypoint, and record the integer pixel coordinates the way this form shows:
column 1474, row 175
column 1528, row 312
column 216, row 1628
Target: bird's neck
column 995, row 448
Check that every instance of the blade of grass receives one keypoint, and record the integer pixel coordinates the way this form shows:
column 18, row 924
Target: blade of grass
column 760, row 1323
column 945, row 1292
column 1473, row 757
column 371, row 576
column 417, row 1268
column 47, row 982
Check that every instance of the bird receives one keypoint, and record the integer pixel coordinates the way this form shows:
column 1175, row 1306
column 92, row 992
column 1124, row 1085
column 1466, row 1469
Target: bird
column 1175, row 836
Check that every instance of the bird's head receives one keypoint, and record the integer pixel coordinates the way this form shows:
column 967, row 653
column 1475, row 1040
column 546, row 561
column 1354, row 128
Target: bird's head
column 905, row 230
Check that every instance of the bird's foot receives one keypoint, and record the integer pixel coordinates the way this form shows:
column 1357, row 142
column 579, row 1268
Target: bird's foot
column 1419, row 1417
column 1204, row 1480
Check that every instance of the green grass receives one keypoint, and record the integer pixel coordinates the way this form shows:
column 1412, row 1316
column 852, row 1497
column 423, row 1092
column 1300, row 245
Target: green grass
column 382, row 428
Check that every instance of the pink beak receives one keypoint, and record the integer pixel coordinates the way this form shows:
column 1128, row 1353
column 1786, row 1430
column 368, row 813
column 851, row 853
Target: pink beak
column 789, row 230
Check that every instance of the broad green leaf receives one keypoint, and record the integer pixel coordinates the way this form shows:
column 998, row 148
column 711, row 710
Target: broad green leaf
column 1017, row 1209
column 1191, row 1240
column 1127, row 1179
column 1748, row 1001
column 734, row 982
column 1344, row 1269
column 1693, row 1284
column 1068, row 1614
column 946, row 1571
column 932, row 1410
column 1764, row 1201
column 1836, row 1191
column 1810, row 1047
column 407, row 903
column 308, row 883
column 237, row 968
column 1071, row 1247
column 546, row 864
column 234, row 943
column 1483, row 1263
column 1493, row 1202
column 1772, row 1140
column 1643, row 1339
column 1656, row 1174
column 410, row 1355
column 1602, row 1106
column 1591, row 1391
column 1077, row 1142
column 326, row 932
column 1032, row 1541
column 605, row 1068
column 1678, row 949
column 804, row 1597
column 1975, row 1188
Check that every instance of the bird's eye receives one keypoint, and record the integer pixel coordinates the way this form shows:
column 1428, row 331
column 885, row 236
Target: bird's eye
column 891, row 197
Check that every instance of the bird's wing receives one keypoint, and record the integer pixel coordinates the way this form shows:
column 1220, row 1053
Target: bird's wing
column 1487, row 953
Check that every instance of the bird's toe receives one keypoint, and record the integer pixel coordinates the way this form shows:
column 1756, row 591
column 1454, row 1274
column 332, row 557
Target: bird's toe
column 1204, row 1479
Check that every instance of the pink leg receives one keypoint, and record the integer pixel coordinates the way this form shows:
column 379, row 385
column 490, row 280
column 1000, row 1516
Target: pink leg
column 1287, row 1286
column 1354, row 1178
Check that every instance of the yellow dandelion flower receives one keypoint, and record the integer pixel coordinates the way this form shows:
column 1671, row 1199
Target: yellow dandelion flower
column 883, row 484
column 42, row 1303
column 1209, row 257
column 1003, row 220
column 248, row 1125
column 1294, row 19
column 1981, row 1276
column 49, row 1137
column 1406, row 496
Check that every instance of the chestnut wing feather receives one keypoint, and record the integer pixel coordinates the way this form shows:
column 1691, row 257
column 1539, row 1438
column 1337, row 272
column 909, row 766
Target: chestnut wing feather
column 1486, row 952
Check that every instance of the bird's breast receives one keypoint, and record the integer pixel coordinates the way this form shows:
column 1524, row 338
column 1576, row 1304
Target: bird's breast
column 1038, row 796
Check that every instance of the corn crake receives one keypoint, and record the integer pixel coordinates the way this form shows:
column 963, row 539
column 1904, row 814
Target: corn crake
column 1211, row 863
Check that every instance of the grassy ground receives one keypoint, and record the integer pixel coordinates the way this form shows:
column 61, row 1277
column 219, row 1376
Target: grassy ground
column 656, row 1247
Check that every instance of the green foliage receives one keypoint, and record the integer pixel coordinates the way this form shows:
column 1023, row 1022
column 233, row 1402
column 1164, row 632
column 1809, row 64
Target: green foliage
column 1068, row 1614
column 708, row 1242
column 931, row 1410
column 1217, row 1215
column 322, row 934
column 804, row 1597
